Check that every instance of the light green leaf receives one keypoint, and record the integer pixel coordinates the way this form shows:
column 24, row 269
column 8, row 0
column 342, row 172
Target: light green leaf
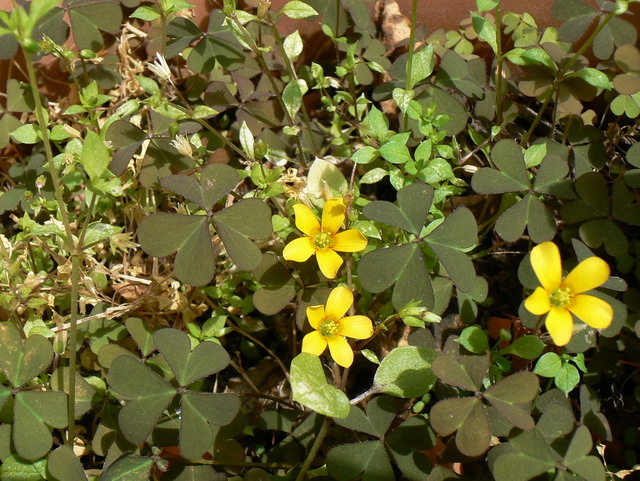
column 298, row 9
column 311, row 389
column 406, row 372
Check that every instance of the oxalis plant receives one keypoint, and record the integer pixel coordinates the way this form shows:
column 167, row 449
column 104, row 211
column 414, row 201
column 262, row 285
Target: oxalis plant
column 239, row 253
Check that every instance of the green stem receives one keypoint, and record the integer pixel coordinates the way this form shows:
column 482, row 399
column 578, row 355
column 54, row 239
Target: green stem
column 499, row 70
column 561, row 73
column 265, row 68
column 55, row 178
column 293, row 75
column 314, row 449
column 412, row 37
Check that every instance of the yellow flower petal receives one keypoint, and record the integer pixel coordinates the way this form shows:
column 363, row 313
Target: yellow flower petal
column 306, row 220
column 299, row 249
column 357, row 327
column 329, row 262
column 560, row 325
column 538, row 302
column 592, row 310
column 350, row 240
column 315, row 314
column 341, row 351
column 314, row 343
column 338, row 303
column 546, row 263
column 589, row 274
column 333, row 214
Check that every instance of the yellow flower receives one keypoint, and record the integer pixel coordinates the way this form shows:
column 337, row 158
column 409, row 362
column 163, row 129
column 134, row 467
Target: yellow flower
column 323, row 240
column 330, row 327
column 562, row 297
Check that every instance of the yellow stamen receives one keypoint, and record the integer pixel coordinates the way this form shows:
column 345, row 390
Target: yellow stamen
column 328, row 328
column 322, row 240
column 561, row 297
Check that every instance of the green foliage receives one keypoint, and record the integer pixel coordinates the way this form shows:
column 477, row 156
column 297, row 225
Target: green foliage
column 181, row 357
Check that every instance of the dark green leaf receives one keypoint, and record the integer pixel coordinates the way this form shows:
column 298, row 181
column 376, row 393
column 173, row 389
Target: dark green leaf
column 127, row 139
column 162, row 234
column 197, row 411
column 505, row 395
column 449, row 371
column 192, row 473
column 244, row 220
column 84, row 390
column 511, row 176
column 403, row 265
column 22, row 361
column 279, row 286
column 148, row 393
column 406, row 372
column 129, row 468
column 34, row 412
column 531, row 212
column 348, row 461
column 64, row 465
column 188, row 366
column 458, row 231
column 411, row 212
column 216, row 181
column 142, row 334
column 88, row 19
column 467, row 416
column 532, row 458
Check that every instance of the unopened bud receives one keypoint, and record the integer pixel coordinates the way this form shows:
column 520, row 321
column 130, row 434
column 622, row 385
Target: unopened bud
column 263, row 8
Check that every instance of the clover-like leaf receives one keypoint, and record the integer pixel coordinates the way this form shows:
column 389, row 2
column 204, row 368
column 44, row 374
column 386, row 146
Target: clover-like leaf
column 406, row 372
column 162, row 234
column 87, row 19
column 348, row 461
column 529, row 212
column 189, row 366
column 529, row 458
column 511, row 172
column 403, row 265
column 129, row 467
column 458, row 231
column 84, row 390
column 148, row 394
column 380, row 412
column 311, row 389
column 279, row 286
column 411, row 212
column 577, row 457
column 198, row 411
column 21, row 360
column 141, row 334
column 468, row 418
column 34, row 413
column 246, row 219
column 64, row 465
column 216, row 181
column 507, row 394
column 127, row 139
column 451, row 372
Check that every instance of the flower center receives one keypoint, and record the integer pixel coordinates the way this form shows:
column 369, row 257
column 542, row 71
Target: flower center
column 328, row 328
column 322, row 240
column 561, row 297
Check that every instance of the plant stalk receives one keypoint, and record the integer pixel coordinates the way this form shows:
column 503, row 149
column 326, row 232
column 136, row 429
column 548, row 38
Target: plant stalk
column 560, row 76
